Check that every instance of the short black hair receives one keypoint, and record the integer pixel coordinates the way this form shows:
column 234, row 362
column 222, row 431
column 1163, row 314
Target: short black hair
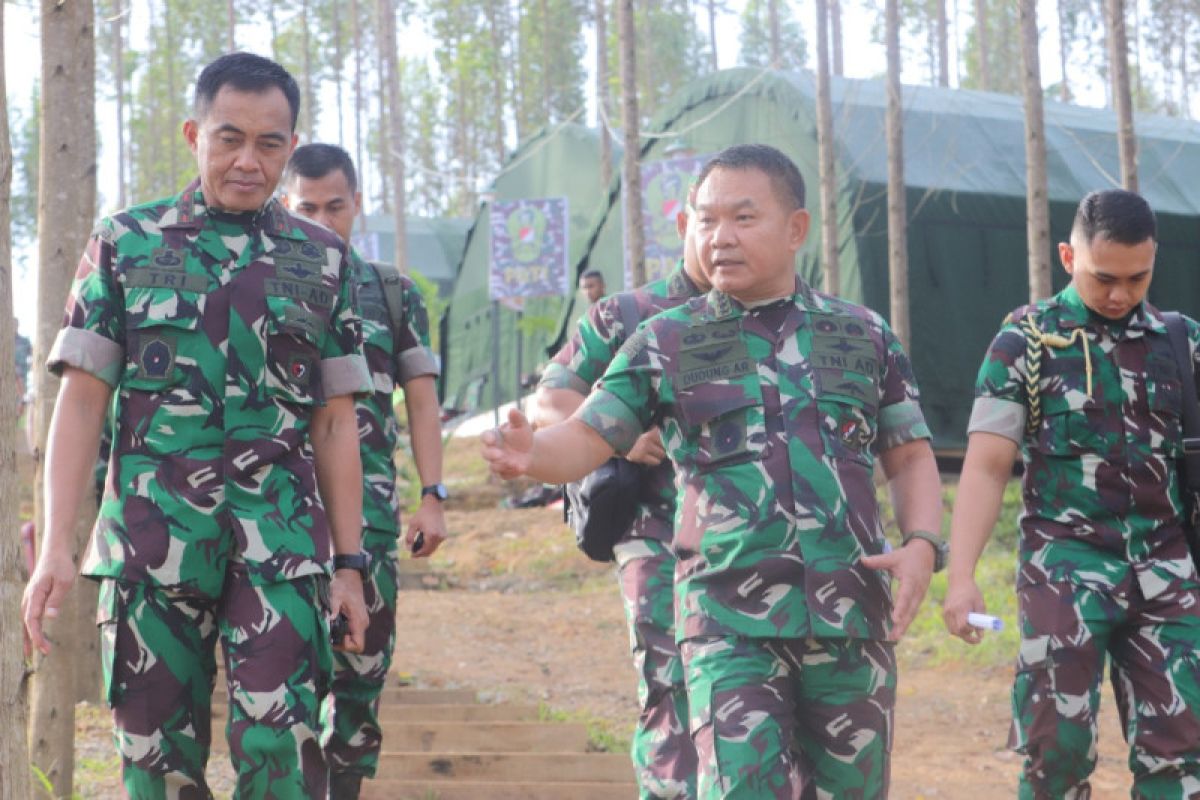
column 1116, row 215
column 592, row 273
column 245, row 72
column 784, row 174
column 315, row 161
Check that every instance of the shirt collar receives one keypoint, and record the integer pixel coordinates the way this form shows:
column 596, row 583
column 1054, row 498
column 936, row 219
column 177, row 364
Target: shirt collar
column 189, row 212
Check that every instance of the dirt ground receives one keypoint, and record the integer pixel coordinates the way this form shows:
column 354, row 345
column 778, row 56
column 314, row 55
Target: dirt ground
column 511, row 610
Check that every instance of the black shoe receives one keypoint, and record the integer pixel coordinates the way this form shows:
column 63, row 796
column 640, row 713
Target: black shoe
column 344, row 785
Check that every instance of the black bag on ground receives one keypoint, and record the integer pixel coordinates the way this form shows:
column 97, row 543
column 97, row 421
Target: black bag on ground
column 602, row 506
column 1189, row 464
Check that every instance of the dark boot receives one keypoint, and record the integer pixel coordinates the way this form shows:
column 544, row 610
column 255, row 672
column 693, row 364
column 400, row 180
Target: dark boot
column 344, row 785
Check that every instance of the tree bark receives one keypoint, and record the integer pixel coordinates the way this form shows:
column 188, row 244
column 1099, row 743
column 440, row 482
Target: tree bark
column 835, row 18
column 119, row 67
column 66, row 207
column 1037, row 204
column 358, row 101
column 603, row 115
column 896, row 202
column 981, row 42
column 635, row 237
column 1118, row 58
column 385, row 150
column 339, row 64
column 309, row 106
column 499, row 76
column 825, row 154
column 14, row 750
column 230, row 25
column 943, row 40
column 395, row 133
column 1064, row 52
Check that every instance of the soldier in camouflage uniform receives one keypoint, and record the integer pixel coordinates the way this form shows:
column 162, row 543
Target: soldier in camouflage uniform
column 226, row 328
column 664, row 757
column 774, row 401
column 1086, row 386
column 322, row 184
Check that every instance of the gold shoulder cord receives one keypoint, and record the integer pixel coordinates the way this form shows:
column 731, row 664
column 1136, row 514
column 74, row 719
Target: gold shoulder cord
column 1035, row 340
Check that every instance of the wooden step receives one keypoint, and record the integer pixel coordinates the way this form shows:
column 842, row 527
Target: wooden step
column 475, row 790
column 485, row 737
column 396, row 696
column 477, row 712
column 505, row 767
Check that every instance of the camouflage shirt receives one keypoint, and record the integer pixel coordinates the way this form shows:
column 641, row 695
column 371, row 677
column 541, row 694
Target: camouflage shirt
column 393, row 358
column 582, row 361
column 1102, row 501
column 772, row 416
column 220, row 333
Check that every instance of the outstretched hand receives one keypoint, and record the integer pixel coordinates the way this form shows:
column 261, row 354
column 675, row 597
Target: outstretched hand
column 912, row 566
column 509, row 448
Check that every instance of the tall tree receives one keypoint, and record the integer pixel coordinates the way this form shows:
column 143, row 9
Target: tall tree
column 14, row 753
column 993, row 50
column 603, row 114
column 499, row 25
column 835, row 35
column 1118, row 57
column 359, row 95
column 982, row 42
column 897, row 205
column 230, row 25
column 550, row 63
column 631, row 173
column 670, row 52
column 395, row 124
column 825, row 151
column 771, row 36
column 711, row 6
column 1037, row 203
column 66, row 208
column 943, row 40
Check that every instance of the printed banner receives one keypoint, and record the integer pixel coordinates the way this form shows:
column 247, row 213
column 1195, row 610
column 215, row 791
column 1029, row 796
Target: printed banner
column 529, row 248
column 664, row 194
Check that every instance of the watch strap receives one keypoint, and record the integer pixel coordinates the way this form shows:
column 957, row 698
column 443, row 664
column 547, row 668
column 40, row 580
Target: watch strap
column 939, row 546
column 359, row 562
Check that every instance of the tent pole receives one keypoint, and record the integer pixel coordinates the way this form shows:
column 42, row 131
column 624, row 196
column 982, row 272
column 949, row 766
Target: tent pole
column 496, row 361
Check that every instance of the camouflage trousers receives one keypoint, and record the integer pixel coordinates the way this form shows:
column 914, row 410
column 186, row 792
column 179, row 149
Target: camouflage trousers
column 1067, row 634
column 664, row 757
column 792, row 719
column 353, row 737
column 158, row 649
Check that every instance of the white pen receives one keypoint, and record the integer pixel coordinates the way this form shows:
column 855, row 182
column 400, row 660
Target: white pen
column 985, row 621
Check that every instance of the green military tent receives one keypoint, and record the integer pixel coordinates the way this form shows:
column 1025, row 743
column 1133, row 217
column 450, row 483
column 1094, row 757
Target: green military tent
column 965, row 174
column 434, row 245
column 560, row 161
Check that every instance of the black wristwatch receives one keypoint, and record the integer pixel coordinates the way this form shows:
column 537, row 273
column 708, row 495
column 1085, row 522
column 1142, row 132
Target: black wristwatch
column 940, row 548
column 438, row 490
column 360, row 562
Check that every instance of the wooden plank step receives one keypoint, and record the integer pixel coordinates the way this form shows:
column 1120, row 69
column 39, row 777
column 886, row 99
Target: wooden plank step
column 505, row 767
column 478, row 712
column 474, row 790
column 396, row 696
column 485, row 737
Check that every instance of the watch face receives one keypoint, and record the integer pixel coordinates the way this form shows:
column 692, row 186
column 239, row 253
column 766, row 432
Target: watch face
column 438, row 490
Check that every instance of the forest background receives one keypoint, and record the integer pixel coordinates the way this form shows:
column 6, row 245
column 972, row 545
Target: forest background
column 479, row 76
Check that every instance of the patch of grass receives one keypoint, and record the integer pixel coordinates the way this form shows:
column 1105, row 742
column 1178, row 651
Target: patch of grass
column 604, row 736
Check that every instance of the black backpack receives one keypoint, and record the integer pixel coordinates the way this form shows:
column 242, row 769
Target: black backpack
column 602, row 506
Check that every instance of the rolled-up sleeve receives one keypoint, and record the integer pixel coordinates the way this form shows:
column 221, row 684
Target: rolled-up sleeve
column 93, row 333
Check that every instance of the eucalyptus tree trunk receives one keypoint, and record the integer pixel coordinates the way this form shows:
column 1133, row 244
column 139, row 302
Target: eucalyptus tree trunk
column 1037, row 204
column 118, row 44
column 981, row 40
column 230, row 25
column 603, row 115
column 631, row 174
column 1118, row 59
column 825, row 155
column 309, row 106
column 395, row 129
column 835, row 31
column 1064, row 51
column 358, row 99
column 712, row 32
column 14, row 749
column 66, row 207
column 897, row 205
column 943, row 41
column 773, row 29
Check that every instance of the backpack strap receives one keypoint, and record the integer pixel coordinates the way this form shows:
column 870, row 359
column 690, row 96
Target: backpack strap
column 393, row 297
column 1177, row 334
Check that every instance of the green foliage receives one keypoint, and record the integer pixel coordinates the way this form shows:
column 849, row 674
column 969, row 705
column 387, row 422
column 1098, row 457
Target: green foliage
column 550, row 49
column 1003, row 45
column 537, row 324
column 756, row 36
column 435, row 306
column 603, row 735
column 26, row 132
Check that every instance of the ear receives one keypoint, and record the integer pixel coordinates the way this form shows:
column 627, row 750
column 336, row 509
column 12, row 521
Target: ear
column 681, row 221
column 357, row 203
column 1066, row 254
column 191, row 133
column 798, row 225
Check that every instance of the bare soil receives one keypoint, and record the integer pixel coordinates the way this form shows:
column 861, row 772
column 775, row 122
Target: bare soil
column 510, row 609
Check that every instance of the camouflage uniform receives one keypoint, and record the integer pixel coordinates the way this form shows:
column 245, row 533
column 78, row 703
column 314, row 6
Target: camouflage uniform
column 353, row 740
column 1104, row 569
column 664, row 757
column 772, row 416
column 220, row 333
